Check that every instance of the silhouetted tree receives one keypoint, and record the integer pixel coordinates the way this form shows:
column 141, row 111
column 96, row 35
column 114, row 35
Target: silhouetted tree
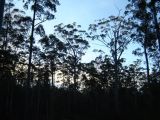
column 76, row 44
column 101, row 70
column 14, row 33
column 108, row 88
column 114, row 33
column 54, row 50
column 145, row 33
column 2, row 2
column 154, row 7
column 42, row 11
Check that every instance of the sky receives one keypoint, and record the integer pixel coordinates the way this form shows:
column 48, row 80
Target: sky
column 85, row 12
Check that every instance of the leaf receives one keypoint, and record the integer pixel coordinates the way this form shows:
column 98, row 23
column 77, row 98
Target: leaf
column 49, row 16
column 40, row 30
column 137, row 52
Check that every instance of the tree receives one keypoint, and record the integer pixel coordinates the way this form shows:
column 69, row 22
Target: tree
column 132, row 74
column 156, row 60
column 114, row 33
column 53, row 51
column 13, row 34
column 76, row 44
column 15, row 28
column 99, row 73
column 154, row 6
column 41, row 12
column 2, row 3
column 145, row 34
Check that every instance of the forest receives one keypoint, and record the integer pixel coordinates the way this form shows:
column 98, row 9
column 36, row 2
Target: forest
column 42, row 76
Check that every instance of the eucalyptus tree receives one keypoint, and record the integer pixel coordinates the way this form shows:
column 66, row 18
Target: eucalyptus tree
column 53, row 51
column 43, row 10
column 145, row 32
column 2, row 3
column 154, row 6
column 133, row 75
column 14, row 33
column 15, row 27
column 99, row 73
column 156, row 60
column 75, row 42
column 12, row 43
column 115, row 34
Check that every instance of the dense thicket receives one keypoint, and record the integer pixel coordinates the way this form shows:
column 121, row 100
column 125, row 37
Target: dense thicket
column 42, row 76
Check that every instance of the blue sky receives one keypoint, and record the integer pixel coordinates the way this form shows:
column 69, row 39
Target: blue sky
column 85, row 12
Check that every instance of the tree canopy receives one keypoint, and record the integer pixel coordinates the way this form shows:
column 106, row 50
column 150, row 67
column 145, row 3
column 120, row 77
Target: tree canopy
column 42, row 76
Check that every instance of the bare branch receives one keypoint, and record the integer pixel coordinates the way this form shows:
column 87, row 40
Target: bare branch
column 40, row 22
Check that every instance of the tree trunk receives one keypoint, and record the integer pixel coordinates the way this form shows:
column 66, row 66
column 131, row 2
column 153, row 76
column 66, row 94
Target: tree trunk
column 154, row 11
column 52, row 72
column 52, row 78
column 5, row 43
column 74, row 78
column 31, row 45
column 27, row 99
column 75, row 74
column 116, row 96
column 2, row 2
column 147, row 61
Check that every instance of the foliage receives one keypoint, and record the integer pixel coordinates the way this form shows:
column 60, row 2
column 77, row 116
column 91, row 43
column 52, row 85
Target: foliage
column 104, row 88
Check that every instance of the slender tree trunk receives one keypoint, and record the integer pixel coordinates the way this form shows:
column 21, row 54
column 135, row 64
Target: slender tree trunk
column 5, row 43
column 116, row 96
column 75, row 73
column 53, row 77
column 31, row 45
column 145, row 50
column 147, row 61
column 156, row 22
column 158, row 64
column 27, row 99
column 150, row 96
column 2, row 3
column 52, row 73
column 74, row 78
column 116, row 63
